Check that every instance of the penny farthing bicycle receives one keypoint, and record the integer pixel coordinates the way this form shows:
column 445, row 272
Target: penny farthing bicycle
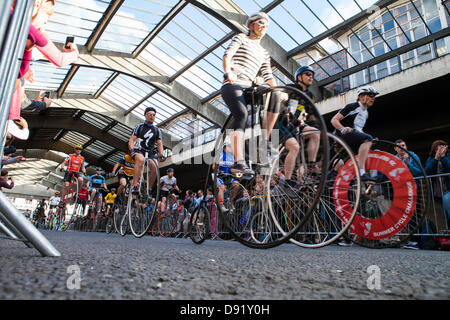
column 256, row 204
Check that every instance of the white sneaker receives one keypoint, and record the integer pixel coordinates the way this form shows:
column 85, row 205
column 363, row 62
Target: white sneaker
column 411, row 245
column 344, row 244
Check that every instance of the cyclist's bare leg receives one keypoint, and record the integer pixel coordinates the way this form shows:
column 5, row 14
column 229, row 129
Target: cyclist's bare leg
column 92, row 198
column 139, row 161
column 313, row 136
column 153, row 169
column 269, row 120
column 363, row 152
column 292, row 146
column 64, row 190
column 237, row 144
column 163, row 204
column 122, row 185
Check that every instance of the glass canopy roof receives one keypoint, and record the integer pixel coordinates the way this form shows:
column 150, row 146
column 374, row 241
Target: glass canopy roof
column 168, row 54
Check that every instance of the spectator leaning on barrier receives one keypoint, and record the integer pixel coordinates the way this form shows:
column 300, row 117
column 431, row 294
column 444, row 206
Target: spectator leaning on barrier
column 439, row 163
column 413, row 166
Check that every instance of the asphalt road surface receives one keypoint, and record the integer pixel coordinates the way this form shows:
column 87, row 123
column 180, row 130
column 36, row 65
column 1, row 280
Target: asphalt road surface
column 109, row 267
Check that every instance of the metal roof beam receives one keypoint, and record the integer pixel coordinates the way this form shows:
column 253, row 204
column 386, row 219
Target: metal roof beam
column 112, row 9
column 159, row 27
column 78, row 125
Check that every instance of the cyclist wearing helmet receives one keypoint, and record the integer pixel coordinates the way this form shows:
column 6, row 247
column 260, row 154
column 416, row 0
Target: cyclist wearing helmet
column 349, row 123
column 95, row 183
column 243, row 60
column 75, row 164
column 146, row 137
column 295, row 120
column 168, row 188
column 110, row 199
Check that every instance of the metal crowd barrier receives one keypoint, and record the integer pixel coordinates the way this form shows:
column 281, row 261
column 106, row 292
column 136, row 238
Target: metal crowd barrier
column 13, row 34
column 437, row 213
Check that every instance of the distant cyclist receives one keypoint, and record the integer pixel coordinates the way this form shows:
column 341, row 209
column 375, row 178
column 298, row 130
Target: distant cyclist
column 110, row 198
column 95, row 183
column 126, row 164
column 54, row 200
column 146, row 137
column 168, row 188
column 349, row 123
column 75, row 165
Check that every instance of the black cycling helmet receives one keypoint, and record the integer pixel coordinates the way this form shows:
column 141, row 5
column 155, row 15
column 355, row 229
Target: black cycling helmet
column 98, row 169
column 302, row 69
column 170, row 170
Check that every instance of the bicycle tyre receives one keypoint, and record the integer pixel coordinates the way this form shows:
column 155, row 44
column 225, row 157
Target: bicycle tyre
column 199, row 224
column 142, row 218
column 373, row 210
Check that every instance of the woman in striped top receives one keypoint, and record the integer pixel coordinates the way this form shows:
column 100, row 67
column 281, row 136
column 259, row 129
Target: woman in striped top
column 244, row 59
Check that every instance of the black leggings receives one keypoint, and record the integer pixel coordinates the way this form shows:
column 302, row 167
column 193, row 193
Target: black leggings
column 233, row 96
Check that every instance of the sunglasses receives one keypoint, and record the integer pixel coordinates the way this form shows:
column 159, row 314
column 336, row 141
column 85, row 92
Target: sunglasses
column 308, row 74
column 262, row 23
column 151, row 114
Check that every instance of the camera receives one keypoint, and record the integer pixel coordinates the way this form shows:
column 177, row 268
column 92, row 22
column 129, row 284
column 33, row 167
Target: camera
column 47, row 94
column 69, row 40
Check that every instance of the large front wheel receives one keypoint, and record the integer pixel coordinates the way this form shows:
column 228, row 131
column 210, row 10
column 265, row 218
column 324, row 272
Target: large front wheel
column 142, row 206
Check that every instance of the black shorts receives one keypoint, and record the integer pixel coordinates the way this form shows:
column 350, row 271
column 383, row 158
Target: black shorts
column 82, row 202
column 109, row 205
column 165, row 193
column 354, row 139
column 152, row 154
column 68, row 176
column 53, row 206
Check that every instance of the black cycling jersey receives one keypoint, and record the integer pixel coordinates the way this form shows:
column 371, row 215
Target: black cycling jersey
column 147, row 134
column 355, row 116
column 299, row 103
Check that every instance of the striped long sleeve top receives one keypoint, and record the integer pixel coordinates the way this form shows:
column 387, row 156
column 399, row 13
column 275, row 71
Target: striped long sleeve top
column 248, row 58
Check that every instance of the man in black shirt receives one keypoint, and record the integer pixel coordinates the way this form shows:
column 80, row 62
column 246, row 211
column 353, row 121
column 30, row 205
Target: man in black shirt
column 291, row 122
column 142, row 140
column 349, row 123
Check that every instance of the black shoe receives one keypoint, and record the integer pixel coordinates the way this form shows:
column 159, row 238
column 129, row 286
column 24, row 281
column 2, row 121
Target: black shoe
column 242, row 168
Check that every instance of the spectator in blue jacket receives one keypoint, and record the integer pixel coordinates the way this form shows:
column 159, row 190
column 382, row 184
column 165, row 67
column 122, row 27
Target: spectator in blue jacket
column 439, row 163
column 412, row 164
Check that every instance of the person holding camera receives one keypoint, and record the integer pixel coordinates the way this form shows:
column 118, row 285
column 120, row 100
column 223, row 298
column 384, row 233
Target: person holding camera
column 41, row 102
column 4, row 180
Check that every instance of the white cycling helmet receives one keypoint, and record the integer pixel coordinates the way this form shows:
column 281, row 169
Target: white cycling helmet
column 367, row 90
column 257, row 16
